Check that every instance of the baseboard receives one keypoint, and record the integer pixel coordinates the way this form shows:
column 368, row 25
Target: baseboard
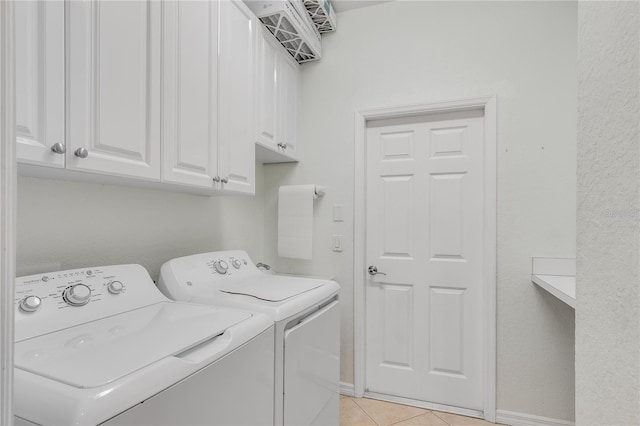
column 521, row 419
column 347, row 389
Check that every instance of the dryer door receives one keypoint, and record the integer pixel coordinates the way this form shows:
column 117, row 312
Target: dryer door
column 312, row 369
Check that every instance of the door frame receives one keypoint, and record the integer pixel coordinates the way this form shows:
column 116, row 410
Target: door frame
column 489, row 105
column 8, row 191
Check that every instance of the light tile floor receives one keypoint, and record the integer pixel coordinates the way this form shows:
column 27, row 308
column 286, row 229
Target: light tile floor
column 371, row 412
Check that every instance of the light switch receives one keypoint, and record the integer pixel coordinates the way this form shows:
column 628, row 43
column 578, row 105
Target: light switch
column 338, row 213
column 337, row 243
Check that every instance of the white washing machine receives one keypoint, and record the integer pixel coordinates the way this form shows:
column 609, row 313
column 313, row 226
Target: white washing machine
column 307, row 320
column 103, row 346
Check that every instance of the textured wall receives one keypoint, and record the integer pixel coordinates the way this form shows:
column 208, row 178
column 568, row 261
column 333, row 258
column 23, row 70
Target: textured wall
column 608, row 304
column 82, row 224
column 412, row 52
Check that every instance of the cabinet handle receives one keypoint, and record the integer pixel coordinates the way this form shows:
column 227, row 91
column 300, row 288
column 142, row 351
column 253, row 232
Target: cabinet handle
column 216, row 179
column 225, row 180
column 59, row 148
column 81, row 153
column 284, row 146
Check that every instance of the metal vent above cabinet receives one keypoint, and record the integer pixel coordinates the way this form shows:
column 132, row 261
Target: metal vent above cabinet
column 291, row 25
column 322, row 14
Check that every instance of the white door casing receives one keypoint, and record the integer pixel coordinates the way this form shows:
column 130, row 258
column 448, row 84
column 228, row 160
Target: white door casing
column 451, row 258
column 189, row 95
column 39, row 39
column 113, row 87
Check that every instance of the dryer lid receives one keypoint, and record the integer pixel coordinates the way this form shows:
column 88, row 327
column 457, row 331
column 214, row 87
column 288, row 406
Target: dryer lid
column 100, row 352
column 272, row 288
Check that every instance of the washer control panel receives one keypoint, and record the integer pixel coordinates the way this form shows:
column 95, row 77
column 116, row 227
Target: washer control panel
column 55, row 300
column 182, row 277
column 225, row 262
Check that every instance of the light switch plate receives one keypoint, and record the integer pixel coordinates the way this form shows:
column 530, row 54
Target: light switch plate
column 337, row 243
column 338, row 213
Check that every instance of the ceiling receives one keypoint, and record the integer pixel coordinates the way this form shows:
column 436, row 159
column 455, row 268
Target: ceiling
column 344, row 5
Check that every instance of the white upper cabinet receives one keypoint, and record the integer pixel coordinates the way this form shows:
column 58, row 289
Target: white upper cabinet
column 236, row 152
column 189, row 93
column 39, row 40
column 277, row 101
column 113, row 92
column 139, row 91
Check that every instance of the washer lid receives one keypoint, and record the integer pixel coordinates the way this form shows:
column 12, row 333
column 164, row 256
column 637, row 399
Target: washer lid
column 99, row 352
column 272, row 288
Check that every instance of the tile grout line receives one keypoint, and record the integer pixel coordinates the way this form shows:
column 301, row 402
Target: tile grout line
column 365, row 411
column 435, row 413
column 413, row 417
column 399, row 421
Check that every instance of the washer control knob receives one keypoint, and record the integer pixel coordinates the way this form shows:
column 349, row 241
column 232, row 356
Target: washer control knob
column 115, row 287
column 77, row 295
column 30, row 303
column 221, row 267
column 236, row 263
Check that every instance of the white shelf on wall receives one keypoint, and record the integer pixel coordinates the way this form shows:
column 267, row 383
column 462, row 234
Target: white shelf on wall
column 557, row 276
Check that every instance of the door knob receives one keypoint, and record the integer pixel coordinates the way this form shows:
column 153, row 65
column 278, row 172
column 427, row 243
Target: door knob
column 81, row 153
column 58, row 148
column 374, row 271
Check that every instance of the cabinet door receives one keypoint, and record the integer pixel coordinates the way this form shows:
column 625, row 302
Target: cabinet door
column 113, row 72
column 236, row 150
column 266, row 99
column 39, row 41
column 288, row 71
column 189, row 95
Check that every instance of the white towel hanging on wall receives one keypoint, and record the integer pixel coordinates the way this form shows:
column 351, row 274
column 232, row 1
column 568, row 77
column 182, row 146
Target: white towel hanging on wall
column 295, row 220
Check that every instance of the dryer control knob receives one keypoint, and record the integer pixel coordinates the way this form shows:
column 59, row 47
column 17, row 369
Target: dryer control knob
column 115, row 287
column 30, row 303
column 77, row 295
column 221, row 267
column 236, row 263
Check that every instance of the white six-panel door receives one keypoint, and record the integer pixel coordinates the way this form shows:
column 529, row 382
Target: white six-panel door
column 113, row 92
column 424, row 332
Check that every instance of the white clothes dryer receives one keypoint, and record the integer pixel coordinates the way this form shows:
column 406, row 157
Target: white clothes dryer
column 102, row 345
column 307, row 326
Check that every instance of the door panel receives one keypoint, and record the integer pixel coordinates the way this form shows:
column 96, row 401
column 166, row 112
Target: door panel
column 190, row 92
column 39, row 40
column 236, row 149
column 266, row 99
column 396, row 308
column 113, row 57
column 425, row 232
column 288, row 71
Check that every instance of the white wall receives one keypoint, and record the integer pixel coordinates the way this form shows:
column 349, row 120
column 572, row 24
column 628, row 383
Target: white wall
column 415, row 52
column 83, row 224
column 608, row 249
